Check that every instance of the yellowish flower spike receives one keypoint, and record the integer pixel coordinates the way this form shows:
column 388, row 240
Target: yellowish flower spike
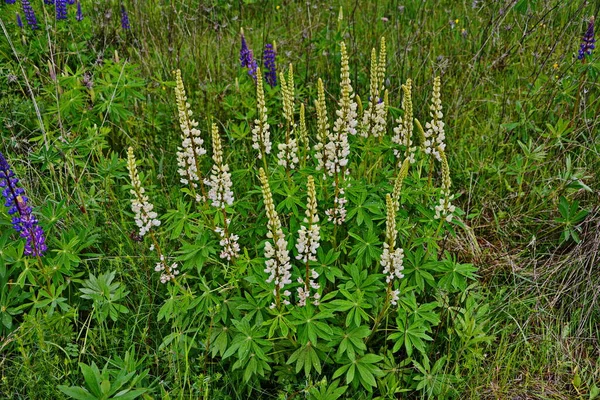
column 445, row 208
column 403, row 132
column 261, row 136
column 322, row 127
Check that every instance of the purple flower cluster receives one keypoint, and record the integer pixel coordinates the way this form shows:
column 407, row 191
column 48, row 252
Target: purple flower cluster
column 49, row 2
column 29, row 14
column 247, row 59
column 79, row 15
column 23, row 220
column 270, row 68
column 61, row 9
column 124, row 19
column 588, row 41
column 19, row 21
column 10, row 1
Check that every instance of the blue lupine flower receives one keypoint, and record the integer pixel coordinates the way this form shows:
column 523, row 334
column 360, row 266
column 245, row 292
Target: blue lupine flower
column 124, row 19
column 61, row 9
column 79, row 15
column 23, row 220
column 19, row 21
column 10, row 1
column 29, row 14
column 70, row 2
column 247, row 59
column 588, row 41
column 49, row 2
column 270, row 68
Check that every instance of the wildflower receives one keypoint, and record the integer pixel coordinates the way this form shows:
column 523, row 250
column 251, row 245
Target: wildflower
column 19, row 21
column 337, row 148
column 61, row 9
column 322, row 127
column 71, row 2
column 445, row 207
column 29, row 14
column 278, row 260
column 145, row 218
column 307, row 245
column 79, row 15
column 404, row 130
column 269, row 62
column 167, row 272
column 391, row 259
column 23, row 220
column 260, row 133
column 247, row 58
column 10, row 1
column 288, row 151
column 49, row 2
column 402, row 174
column 434, row 134
column 220, row 179
column 374, row 117
column 464, row 33
column 124, row 19
column 588, row 41
column 188, row 155
column 302, row 130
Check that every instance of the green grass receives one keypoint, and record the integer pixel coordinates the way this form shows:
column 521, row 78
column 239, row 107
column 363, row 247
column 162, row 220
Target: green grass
column 522, row 125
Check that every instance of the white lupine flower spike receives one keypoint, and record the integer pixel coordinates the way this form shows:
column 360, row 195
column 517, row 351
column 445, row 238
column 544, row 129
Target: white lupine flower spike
column 307, row 245
column 391, row 259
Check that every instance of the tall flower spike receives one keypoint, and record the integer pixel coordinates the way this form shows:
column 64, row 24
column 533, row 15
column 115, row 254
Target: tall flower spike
column 588, row 41
column 124, row 19
column 404, row 130
column 302, row 130
column 402, row 174
column 307, row 245
column 23, row 220
column 145, row 218
column 445, row 208
column 391, row 259
column 270, row 67
column 322, row 127
column 247, row 58
column 61, row 9
column 221, row 195
column 337, row 149
column 261, row 137
column 277, row 263
column 288, row 151
column 434, row 130
column 79, row 15
column 19, row 21
column 374, row 122
column 29, row 14
column 188, row 155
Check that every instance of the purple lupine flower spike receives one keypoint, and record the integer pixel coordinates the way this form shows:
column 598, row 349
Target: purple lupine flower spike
column 23, row 220
column 49, row 2
column 124, row 18
column 270, row 68
column 588, row 41
column 19, row 21
column 61, row 9
column 79, row 15
column 244, row 60
column 29, row 14
column 70, row 2
column 10, row 1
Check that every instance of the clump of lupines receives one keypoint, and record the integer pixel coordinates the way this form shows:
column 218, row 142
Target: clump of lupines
column 221, row 195
column 375, row 116
column 404, row 130
column 61, row 9
column 307, row 245
column 247, row 58
column 124, row 18
column 261, row 140
column 188, row 155
column 270, row 67
column 392, row 258
column 277, row 257
column 434, row 134
column 79, row 14
column 337, row 148
column 29, row 14
column 588, row 41
column 445, row 208
column 322, row 127
column 23, row 220
column 288, row 151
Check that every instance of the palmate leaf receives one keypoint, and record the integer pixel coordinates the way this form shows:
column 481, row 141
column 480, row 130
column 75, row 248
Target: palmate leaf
column 361, row 370
column 410, row 335
column 327, row 391
column 355, row 305
column 351, row 341
column 310, row 325
column 366, row 249
column 306, row 357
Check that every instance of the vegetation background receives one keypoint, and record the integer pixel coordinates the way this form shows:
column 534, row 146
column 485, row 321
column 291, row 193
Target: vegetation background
column 523, row 147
